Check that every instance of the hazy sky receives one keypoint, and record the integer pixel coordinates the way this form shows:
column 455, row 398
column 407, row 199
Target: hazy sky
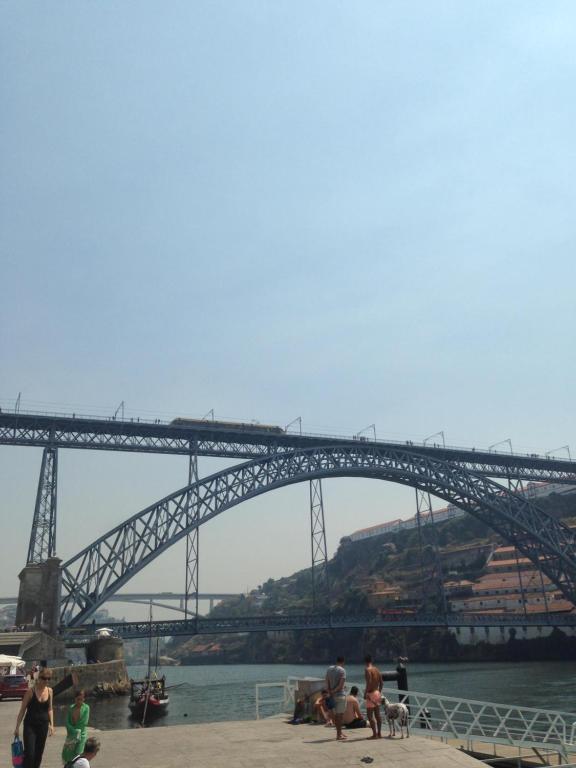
column 353, row 212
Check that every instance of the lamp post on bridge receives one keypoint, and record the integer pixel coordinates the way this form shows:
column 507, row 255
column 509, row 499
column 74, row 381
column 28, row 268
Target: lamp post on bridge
column 562, row 448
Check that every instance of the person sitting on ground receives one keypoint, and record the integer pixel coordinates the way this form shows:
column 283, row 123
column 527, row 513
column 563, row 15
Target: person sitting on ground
column 91, row 749
column 299, row 710
column 352, row 714
column 322, row 713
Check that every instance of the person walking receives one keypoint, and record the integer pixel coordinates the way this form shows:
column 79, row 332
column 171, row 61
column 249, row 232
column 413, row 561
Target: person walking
column 373, row 696
column 38, row 715
column 91, row 749
column 76, row 723
column 336, row 686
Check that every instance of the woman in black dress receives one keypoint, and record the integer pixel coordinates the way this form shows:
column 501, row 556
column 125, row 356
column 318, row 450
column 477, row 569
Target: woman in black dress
column 38, row 717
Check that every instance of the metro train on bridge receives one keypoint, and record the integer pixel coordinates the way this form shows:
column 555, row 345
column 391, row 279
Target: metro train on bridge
column 242, row 425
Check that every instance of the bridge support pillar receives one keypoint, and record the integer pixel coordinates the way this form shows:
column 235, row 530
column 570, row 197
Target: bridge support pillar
column 192, row 542
column 320, row 583
column 432, row 583
column 39, row 596
column 43, row 535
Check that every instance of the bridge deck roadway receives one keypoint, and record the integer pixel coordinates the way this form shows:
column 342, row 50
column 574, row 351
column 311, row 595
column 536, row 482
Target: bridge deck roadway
column 268, row 743
column 217, row 439
column 204, row 626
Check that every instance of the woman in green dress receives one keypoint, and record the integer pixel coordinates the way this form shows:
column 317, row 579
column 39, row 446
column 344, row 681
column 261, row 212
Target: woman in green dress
column 76, row 722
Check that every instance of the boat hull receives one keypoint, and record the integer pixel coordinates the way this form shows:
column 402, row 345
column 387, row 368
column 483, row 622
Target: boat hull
column 148, row 711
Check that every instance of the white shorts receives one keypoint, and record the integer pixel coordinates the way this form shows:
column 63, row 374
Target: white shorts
column 340, row 704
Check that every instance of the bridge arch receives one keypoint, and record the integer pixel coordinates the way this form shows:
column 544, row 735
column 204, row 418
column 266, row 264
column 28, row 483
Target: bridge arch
column 99, row 570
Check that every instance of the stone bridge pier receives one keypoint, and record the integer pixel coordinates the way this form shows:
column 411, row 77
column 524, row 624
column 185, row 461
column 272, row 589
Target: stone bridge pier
column 39, row 596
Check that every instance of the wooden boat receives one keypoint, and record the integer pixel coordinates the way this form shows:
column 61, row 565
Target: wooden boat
column 148, row 698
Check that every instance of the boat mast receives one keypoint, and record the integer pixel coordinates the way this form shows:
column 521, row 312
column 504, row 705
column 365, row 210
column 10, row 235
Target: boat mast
column 150, row 641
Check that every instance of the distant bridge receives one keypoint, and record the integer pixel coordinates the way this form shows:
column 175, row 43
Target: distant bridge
column 156, row 598
column 320, row 621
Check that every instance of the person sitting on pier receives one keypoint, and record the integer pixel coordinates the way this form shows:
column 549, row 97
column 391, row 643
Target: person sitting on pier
column 352, row 714
column 322, row 712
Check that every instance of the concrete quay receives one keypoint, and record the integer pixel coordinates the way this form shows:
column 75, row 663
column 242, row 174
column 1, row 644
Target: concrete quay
column 245, row 744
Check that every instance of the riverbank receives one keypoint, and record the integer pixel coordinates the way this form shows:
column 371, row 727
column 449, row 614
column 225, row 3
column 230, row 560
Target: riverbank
column 247, row 744
column 420, row 645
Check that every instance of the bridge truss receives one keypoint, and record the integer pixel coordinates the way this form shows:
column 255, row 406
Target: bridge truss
column 215, row 439
column 99, row 570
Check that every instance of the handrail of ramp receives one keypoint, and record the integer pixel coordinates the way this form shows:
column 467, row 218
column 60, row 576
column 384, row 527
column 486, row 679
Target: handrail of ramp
column 470, row 720
column 283, row 704
column 278, row 704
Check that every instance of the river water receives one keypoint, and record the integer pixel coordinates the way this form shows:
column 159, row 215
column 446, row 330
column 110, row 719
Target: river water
column 227, row 692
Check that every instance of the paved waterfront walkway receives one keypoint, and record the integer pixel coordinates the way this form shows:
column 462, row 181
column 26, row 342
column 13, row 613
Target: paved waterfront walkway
column 246, row 744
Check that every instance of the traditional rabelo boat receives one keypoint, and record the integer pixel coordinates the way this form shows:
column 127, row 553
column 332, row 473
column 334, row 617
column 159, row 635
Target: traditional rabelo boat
column 148, row 698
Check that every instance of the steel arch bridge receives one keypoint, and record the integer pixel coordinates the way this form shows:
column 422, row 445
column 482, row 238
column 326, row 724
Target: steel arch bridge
column 99, row 570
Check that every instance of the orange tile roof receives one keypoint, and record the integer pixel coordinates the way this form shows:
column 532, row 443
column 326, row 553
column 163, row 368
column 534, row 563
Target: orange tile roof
column 554, row 606
column 511, row 577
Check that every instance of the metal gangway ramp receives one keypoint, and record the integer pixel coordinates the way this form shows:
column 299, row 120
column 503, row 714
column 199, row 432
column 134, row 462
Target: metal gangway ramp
column 467, row 720
column 544, row 733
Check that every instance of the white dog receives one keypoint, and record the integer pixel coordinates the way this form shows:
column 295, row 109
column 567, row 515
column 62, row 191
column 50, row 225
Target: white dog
column 396, row 712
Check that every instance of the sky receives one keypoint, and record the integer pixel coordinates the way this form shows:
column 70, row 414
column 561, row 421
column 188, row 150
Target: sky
column 350, row 212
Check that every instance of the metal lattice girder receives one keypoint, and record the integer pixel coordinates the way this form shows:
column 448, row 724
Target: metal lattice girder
column 103, row 567
column 43, row 535
column 320, row 586
column 192, row 541
column 516, row 485
column 423, row 510
column 214, row 439
column 432, row 585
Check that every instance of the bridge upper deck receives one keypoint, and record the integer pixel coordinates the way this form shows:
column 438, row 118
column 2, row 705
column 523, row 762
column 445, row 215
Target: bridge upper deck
column 248, row 441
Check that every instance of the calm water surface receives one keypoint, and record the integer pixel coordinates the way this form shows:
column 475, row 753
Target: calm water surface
column 227, row 692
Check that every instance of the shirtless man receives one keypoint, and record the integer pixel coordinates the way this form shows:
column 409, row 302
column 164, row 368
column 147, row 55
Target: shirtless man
column 373, row 696
column 352, row 715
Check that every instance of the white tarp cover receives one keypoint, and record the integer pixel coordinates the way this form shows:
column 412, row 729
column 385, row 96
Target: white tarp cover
column 11, row 664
